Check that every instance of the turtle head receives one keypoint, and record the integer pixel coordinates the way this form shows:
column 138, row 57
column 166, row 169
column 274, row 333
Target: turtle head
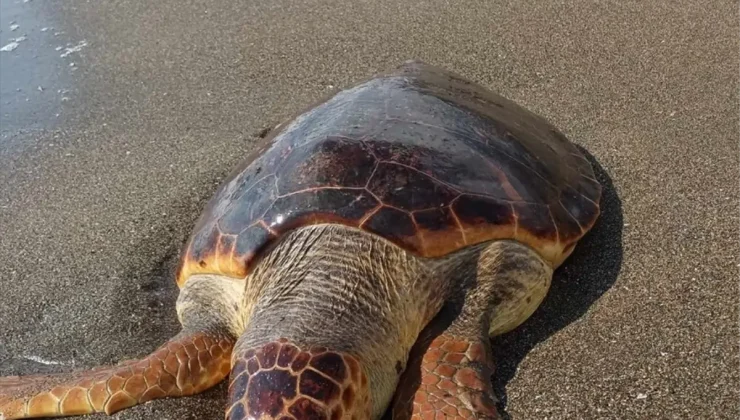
column 280, row 380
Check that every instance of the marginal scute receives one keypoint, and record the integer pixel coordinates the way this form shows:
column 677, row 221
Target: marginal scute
column 255, row 233
column 474, row 211
column 578, row 204
column 225, row 247
column 418, row 156
column 434, row 220
column 392, row 223
column 204, row 247
column 438, row 230
column 568, row 226
column 536, row 219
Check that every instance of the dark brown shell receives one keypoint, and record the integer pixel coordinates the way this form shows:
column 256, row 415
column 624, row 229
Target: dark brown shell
column 419, row 156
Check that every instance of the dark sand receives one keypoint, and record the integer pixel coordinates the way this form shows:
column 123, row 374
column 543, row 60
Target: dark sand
column 167, row 96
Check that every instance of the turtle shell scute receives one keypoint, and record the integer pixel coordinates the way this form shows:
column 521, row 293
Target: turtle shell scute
column 418, row 156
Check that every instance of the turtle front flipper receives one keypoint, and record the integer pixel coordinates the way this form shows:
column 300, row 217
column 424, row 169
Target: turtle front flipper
column 188, row 364
column 196, row 359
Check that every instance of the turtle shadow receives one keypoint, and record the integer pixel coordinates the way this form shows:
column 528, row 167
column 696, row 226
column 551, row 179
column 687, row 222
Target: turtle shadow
column 589, row 272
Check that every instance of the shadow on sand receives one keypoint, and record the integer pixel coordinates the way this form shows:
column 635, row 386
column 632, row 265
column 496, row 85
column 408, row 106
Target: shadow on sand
column 589, row 272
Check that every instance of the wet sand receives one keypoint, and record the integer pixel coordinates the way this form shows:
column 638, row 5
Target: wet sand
column 98, row 191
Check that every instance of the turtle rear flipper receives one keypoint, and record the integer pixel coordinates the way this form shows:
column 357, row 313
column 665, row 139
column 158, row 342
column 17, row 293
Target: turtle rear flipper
column 451, row 366
column 454, row 379
column 188, row 364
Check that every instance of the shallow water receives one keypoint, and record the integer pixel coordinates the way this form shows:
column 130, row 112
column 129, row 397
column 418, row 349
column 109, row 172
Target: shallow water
column 36, row 62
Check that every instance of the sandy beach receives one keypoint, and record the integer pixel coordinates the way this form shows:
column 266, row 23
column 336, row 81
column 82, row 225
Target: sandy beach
column 118, row 121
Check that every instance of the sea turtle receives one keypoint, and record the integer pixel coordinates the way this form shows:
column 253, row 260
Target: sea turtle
column 414, row 199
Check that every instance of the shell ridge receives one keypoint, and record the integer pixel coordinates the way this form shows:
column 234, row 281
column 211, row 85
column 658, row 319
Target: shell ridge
column 432, row 177
column 313, row 189
column 236, row 200
column 590, row 179
column 516, row 220
column 457, row 220
column 513, row 159
column 580, row 194
column 570, row 214
column 554, row 224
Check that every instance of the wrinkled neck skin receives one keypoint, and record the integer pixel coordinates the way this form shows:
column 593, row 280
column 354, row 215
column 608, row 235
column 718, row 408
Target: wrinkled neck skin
column 344, row 290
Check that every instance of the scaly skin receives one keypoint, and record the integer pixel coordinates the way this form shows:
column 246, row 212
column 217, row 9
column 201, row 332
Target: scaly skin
column 455, row 381
column 450, row 367
column 186, row 365
column 449, row 378
column 279, row 380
